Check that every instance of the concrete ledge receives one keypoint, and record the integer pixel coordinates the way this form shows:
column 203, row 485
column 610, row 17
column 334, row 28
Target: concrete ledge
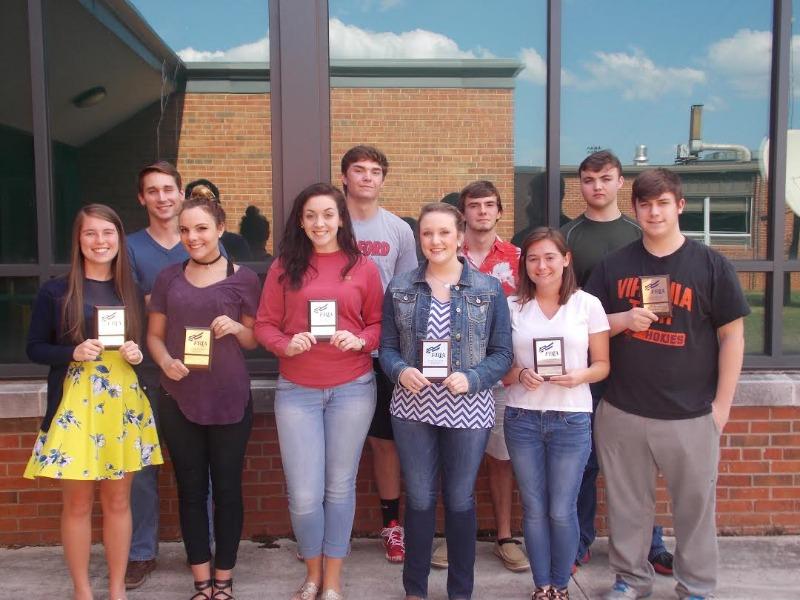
column 20, row 399
column 768, row 389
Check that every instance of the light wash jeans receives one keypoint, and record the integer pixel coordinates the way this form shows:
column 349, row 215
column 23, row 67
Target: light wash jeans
column 321, row 433
column 549, row 450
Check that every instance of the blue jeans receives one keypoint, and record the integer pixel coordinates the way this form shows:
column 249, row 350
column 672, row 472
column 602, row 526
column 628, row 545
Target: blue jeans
column 549, row 450
column 321, row 433
column 425, row 451
column 144, row 494
column 587, row 496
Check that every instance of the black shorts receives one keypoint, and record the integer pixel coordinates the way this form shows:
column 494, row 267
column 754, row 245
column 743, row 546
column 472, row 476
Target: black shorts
column 381, row 426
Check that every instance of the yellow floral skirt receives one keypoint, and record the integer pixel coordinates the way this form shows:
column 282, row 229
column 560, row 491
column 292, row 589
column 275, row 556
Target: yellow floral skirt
column 103, row 427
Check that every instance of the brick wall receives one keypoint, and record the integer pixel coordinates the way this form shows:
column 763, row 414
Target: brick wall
column 758, row 490
column 226, row 138
column 437, row 141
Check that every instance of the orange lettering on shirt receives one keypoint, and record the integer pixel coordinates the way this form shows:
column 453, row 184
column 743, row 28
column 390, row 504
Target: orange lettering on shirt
column 686, row 300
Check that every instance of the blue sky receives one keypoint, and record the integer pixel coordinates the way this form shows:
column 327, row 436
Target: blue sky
column 631, row 68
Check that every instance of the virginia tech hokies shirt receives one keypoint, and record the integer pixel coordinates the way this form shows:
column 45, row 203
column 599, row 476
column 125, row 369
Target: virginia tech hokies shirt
column 670, row 370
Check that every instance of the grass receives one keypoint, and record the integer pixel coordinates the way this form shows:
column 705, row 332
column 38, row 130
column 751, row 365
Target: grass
column 754, row 324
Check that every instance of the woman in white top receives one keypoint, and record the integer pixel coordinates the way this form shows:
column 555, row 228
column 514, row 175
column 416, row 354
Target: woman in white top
column 547, row 424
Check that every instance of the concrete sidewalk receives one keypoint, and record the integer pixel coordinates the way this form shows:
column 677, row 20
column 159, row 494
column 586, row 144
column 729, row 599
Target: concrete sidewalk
column 750, row 569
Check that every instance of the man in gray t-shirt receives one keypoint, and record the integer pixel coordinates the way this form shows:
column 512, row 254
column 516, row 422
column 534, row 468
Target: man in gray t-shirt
column 389, row 242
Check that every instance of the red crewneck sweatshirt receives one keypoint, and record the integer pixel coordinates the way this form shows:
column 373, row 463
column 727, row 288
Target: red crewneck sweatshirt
column 283, row 312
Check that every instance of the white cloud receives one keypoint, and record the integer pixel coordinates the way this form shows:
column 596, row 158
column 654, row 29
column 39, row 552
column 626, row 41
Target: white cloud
column 636, row 76
column 714, row 103
column 535, row 67
column 257, row 51
column 744, row 59
column 349, row 41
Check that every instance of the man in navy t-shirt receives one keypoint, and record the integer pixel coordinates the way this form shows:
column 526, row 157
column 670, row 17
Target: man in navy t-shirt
column 150, row 250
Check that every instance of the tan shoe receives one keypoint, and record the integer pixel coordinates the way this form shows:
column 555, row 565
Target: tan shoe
column 439, row 556
column 510, row 552
column 307, row 591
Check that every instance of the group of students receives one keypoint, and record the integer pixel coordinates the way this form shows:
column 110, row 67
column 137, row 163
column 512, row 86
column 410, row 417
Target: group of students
column 667, row 391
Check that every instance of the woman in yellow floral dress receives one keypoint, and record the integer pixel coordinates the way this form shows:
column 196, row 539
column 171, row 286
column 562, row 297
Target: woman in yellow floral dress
column 98, row 425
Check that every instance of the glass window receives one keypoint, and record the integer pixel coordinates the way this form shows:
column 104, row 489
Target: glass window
column 655, row 100
column 16, row 301
column 17, row 192
column 754, row 286
column 792, row 227
column 791, row 314
column 452, row 94
column 127, row 88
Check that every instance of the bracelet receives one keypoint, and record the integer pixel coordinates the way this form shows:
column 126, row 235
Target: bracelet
column 519, row 377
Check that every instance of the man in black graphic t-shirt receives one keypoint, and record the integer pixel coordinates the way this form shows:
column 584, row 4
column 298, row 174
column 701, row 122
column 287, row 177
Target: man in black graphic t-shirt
column 669, row 393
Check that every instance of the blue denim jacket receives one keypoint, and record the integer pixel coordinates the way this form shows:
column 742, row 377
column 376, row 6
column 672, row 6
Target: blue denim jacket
column 480, row 326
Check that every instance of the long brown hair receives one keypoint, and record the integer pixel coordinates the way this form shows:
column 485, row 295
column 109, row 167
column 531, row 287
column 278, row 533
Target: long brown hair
column 296, row 249
column 526, row 290
column 72, row 318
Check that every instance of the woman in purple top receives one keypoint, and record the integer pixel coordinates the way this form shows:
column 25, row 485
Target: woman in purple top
column 207, row 414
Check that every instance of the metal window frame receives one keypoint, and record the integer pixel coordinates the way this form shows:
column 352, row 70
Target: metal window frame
column 300, row 114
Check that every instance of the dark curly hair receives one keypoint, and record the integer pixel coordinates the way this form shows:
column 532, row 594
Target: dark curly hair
column 296, row 249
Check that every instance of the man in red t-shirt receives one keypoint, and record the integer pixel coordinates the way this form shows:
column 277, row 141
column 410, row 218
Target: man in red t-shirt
column 482, row 208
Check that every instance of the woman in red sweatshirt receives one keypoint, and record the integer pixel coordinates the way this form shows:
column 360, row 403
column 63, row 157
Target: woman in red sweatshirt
column 326, row 390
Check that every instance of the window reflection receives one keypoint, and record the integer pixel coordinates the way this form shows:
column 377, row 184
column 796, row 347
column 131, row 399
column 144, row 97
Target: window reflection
column 16, row 300
column 17, row 195
column 699, row 108
column 791, row 314
column 754, row 287
column 792, row 235
column 449, row 101
column 153, row 101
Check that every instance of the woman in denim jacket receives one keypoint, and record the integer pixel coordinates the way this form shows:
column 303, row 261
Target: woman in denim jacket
column 443, row 426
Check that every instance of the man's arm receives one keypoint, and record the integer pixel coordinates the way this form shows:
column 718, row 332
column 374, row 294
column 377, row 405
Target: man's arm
column 729, row 361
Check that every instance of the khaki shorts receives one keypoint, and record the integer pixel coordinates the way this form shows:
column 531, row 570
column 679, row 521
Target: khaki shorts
column 496, row 448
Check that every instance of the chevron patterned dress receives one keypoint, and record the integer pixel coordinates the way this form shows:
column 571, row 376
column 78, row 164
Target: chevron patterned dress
column 435, row 404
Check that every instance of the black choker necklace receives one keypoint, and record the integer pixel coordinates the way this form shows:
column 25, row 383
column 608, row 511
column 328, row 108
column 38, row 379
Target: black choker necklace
column 211, row 262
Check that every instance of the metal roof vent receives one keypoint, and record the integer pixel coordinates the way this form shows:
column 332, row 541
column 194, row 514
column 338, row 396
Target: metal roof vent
column 640, row 157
